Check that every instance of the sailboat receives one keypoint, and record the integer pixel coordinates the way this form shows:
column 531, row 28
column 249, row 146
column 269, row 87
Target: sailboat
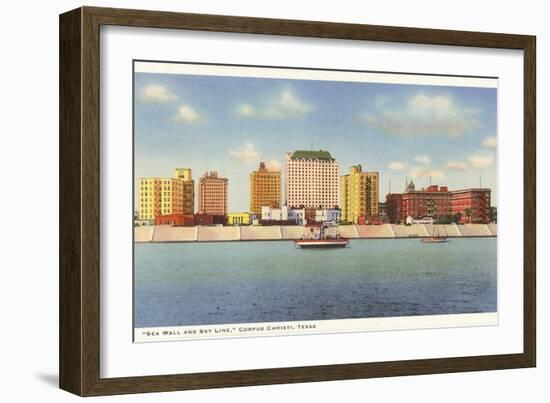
column 436, row 237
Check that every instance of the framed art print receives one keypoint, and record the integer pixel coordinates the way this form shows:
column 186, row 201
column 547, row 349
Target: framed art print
column 249, row 201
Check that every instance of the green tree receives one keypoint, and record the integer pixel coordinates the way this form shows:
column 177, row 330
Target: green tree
column 493, row 214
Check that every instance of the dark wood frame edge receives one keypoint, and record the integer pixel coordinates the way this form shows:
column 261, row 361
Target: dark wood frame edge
column 79, row 353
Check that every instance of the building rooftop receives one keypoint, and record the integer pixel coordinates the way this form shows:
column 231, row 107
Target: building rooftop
column 321, row 155
column 472, row 190
column 212, row 175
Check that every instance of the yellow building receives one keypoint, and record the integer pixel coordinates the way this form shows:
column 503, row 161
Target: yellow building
column 186, row 176
column 160, row 196
column 240, row 218
column 265, row 189
column 359, row 195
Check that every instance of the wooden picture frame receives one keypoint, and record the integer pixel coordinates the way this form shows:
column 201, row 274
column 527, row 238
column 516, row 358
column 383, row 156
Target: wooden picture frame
column 79, row 348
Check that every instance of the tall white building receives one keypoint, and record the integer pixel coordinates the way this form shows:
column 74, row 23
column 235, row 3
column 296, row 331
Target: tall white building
column 311, row 179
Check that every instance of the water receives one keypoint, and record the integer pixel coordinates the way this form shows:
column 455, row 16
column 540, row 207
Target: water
column 246, row 282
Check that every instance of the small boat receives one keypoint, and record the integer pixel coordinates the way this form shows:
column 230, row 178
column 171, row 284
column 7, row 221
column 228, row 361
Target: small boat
column 321, row 236
column 322, row 243
column 435, row 237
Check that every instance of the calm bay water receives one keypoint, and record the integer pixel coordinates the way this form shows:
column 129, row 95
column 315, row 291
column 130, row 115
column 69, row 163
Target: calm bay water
column 180, row 284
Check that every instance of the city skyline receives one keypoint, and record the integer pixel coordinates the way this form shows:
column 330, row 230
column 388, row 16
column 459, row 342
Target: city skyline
column 230, row 124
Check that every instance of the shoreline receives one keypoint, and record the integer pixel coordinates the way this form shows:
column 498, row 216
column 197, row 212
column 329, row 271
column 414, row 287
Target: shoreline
column 292, row 240
column 209, row 234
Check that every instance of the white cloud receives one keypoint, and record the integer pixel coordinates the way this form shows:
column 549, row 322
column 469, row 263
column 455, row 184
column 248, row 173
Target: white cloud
column 187, row 115
column 427, row 173
column 286, row 105
column 397, row 166
column 423, row 115
column 457, row 166
column 273, row 165
column 246, row 110
column 490, row 142
column 157, row 93
column 246, row 154
column 423, row 159
column 480, row 162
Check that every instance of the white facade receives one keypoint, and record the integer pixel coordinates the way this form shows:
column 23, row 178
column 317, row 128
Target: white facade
column 324, row 215
column 295, row 214
column 311, row 179
column 283, row 214
column 269, row 213
column 425, row 220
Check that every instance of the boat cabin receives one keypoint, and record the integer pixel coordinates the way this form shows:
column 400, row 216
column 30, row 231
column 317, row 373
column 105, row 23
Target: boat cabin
column 325, row 230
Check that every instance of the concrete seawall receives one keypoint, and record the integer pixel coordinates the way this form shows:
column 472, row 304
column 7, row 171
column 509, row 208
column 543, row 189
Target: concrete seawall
column 166, row 233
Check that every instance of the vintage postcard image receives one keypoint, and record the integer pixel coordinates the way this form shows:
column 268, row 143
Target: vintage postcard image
column 276, row 201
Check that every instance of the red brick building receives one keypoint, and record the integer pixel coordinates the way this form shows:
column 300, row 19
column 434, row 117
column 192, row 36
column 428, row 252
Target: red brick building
column 181, row 220
column 190, row 220
column 434, row 201
column 394, row 207
column 210, row 219
column 473, row 205
column 213, row 194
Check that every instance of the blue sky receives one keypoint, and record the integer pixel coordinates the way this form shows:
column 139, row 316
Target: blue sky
column 230, row 124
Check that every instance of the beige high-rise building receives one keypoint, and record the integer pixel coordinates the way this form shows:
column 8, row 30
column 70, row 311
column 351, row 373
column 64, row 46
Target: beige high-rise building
column 160, row 196
column 265, row 189
column 212, row 194
column 359, row 195
column 311, row 179
column 186, row 176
